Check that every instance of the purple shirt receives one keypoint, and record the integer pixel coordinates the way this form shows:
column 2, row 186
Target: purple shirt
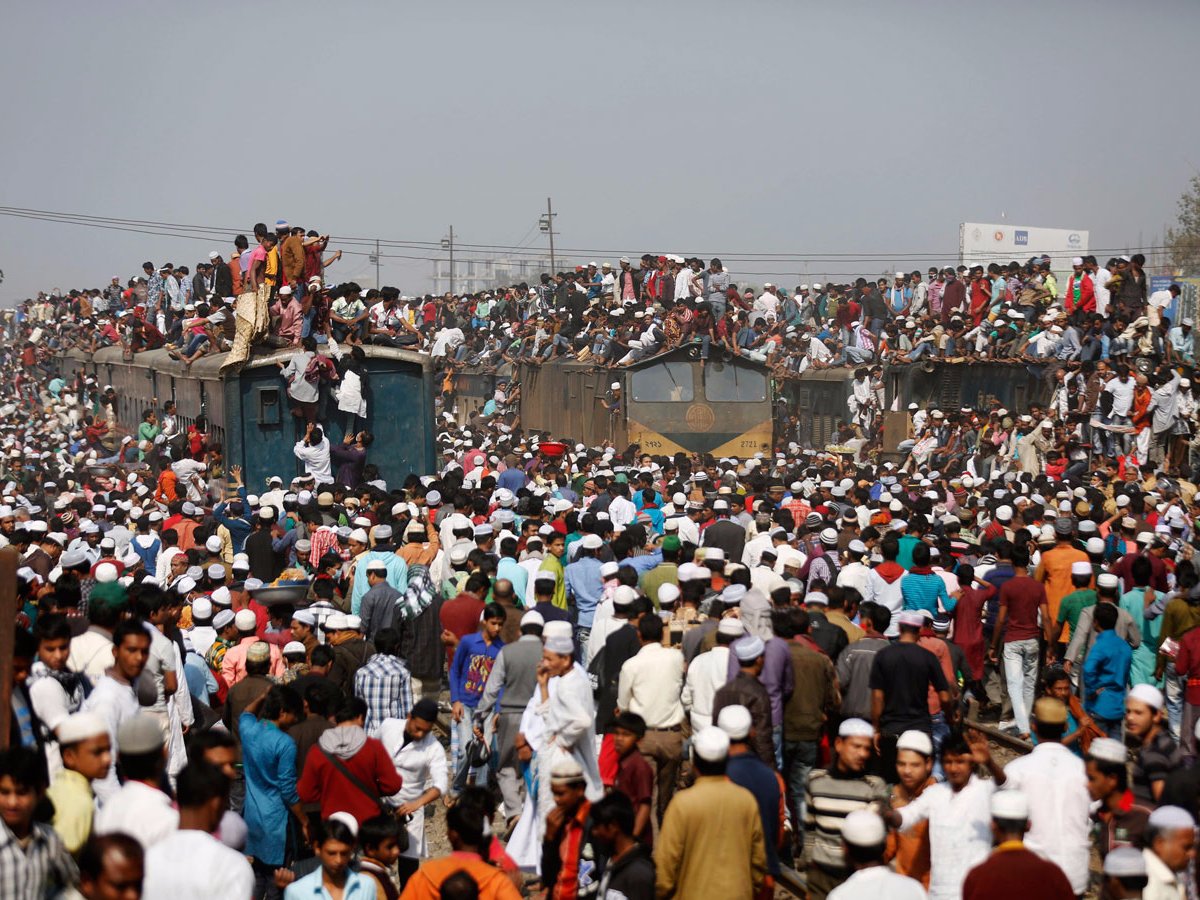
column 777, row 675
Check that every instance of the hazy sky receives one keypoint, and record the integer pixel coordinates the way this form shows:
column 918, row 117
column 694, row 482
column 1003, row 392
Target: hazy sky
column 793, row 127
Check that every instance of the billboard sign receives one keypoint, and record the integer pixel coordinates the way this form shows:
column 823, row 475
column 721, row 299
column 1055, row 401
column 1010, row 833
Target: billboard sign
column 1188, row 300
column 980, row 244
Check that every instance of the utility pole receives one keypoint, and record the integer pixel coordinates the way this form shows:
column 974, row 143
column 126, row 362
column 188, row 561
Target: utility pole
column 546, row 223
column 448, row 244
column 375, row 259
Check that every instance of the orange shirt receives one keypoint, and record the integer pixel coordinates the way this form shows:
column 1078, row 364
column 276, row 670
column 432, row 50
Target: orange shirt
column 1140, row 412
column 235, row 269
column 186, row 529
column 426, row 883
column 1055, row 572
column 910, row 849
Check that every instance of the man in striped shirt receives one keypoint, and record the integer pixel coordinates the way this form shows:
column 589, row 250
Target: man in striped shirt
column 832, row 795
column 33, row 861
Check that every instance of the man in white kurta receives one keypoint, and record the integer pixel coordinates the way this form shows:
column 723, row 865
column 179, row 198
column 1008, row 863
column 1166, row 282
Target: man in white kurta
column 421, row 763
column 1054, row 781
column 959, row 814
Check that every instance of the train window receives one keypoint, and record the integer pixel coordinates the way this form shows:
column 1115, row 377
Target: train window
column 269, row 409
column 669, row 382
column 725, row 383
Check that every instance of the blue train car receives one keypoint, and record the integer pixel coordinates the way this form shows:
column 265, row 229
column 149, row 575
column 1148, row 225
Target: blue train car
column 247, row 408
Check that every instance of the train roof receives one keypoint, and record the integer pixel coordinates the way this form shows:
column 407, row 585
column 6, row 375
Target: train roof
column 209, row 367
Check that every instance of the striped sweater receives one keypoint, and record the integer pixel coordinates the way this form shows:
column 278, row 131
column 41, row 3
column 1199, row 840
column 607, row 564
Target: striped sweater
column 831, row 797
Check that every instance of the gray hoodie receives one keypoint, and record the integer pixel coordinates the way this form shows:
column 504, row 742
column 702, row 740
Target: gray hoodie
column 343, row 741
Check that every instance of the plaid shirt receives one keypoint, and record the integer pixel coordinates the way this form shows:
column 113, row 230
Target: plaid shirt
column 384, row 683
column 36, row 871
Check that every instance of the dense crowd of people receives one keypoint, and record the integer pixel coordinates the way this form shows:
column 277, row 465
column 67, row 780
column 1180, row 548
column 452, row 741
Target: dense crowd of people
column 1115, row 367
column 548, row 668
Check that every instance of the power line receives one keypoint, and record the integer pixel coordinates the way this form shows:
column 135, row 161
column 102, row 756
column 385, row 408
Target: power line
column 427, row 251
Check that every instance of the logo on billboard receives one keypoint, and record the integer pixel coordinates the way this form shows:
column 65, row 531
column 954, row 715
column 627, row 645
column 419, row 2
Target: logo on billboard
column 998, row 236
column 1021, row 238
column 1074, row 239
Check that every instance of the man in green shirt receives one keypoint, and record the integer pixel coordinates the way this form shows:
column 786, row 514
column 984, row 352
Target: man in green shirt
column 666, row 572
column 147, row 432
column 1083, row 596
column 556, row 546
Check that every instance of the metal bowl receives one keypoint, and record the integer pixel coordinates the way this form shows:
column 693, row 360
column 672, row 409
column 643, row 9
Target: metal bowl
column 274, row 595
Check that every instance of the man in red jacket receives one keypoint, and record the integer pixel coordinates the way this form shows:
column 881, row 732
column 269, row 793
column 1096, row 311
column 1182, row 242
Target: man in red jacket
column 1012, row 869
column 954, row 296
column 347, row 771
column 1080, row 295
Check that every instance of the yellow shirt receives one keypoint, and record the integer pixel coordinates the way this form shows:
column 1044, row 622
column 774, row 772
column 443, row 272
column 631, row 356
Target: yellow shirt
column 553, row 564
column 839, row 618
column 74, row 804
column 711, row 843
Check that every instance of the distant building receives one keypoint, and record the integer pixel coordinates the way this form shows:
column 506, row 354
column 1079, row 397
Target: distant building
column 476, row 274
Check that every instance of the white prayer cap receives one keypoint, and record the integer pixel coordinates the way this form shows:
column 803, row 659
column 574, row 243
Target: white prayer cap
column 532, row 617
column 917, row 741
column 732, row 595
column 864, row 828
column 1148, row 694
column 749, row 648
column 711, row 744
column 1010, row 805
column 1125, row 862
column 1081, row 567
column 624, row 596
column 79, row 727
column 1171, row 818
column 1108, row 750
column 566, row 771
column 731, row 626
column 735, row 721
column 346, row 819
column 856, row 728
column 560, row 644
column 667, row 594
column 336, row 622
